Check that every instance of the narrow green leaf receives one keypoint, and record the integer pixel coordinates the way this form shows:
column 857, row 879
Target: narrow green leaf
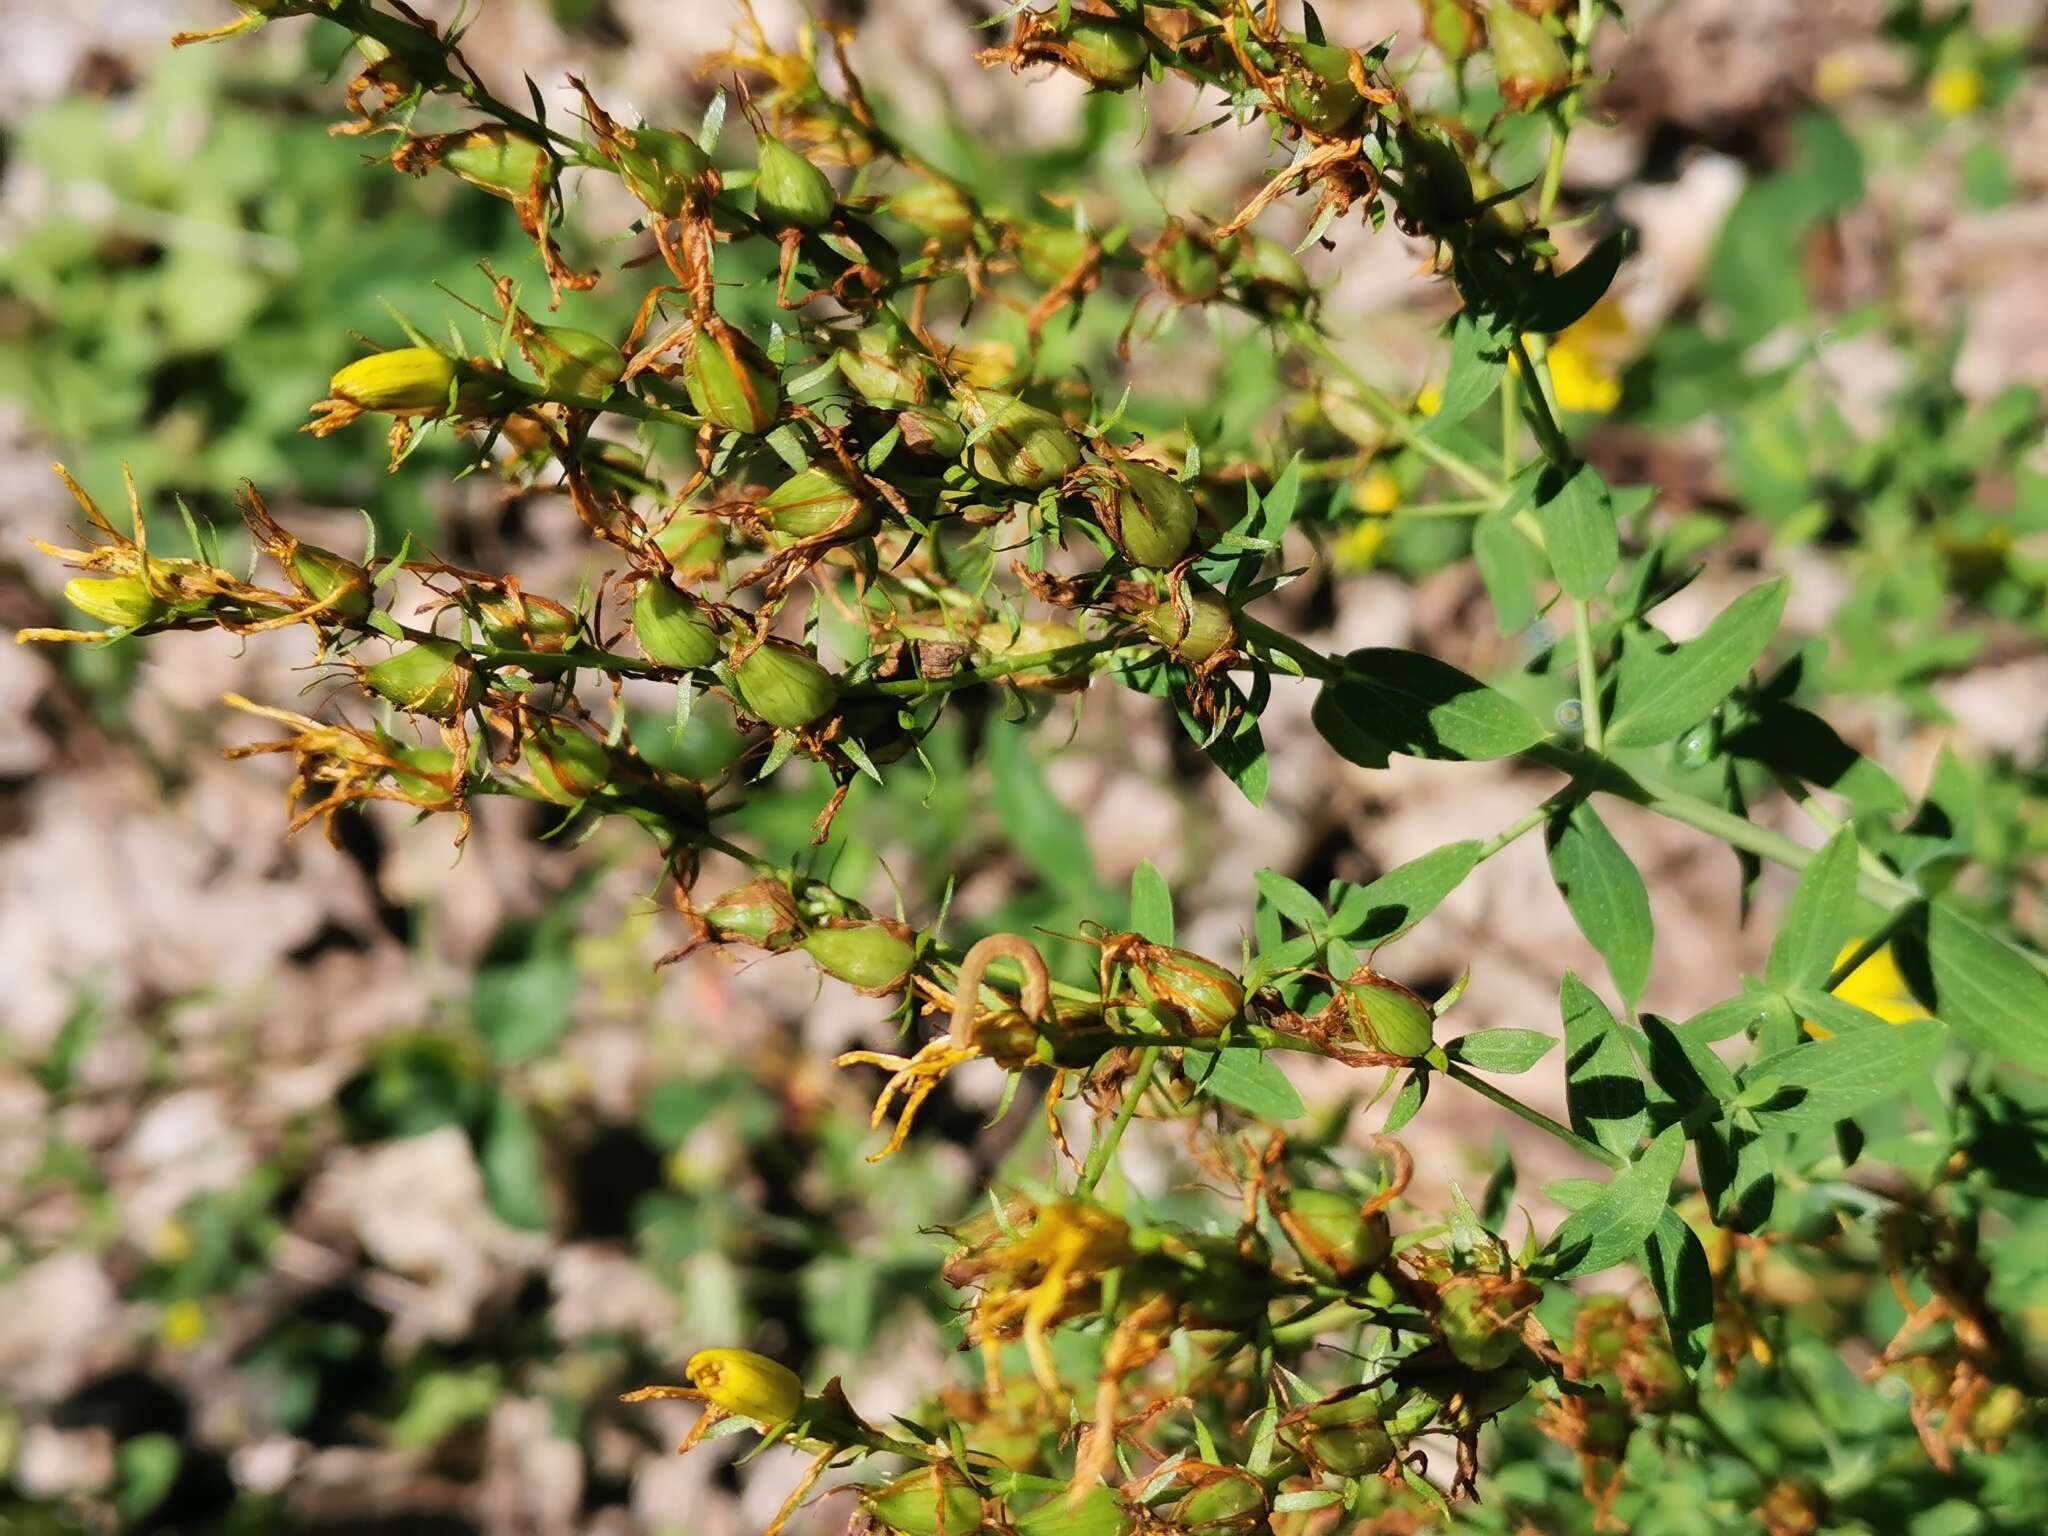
column 1510, row 567
column 1613, row 1228
column 1820, row 918
column 1151, row 904
column 1046, row 835
column 1428, row 708
column 1663, row 692
column 1798, row 743
column 1403, row 896
column 1501, row 1050
column 1605, row 894
column 1821, row 1081
column 1479, row 356
column 1603, row 1085
column 1292, row 901
column 1408, row 1101
column 1579, row 533
column 514, row 1179
column 1563, row 298
column 1243, row 1077
column 1986, row 993
column 1684, row 1283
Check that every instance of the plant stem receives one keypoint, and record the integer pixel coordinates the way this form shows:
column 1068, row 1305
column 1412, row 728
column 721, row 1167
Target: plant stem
column 1535, row 1117
column 1589, row 677
column 1106, row 1142
column 989, row 672
column 1548, row 433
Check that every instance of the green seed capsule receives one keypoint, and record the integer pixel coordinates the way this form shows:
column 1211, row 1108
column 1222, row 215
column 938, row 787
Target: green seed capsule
column 1202, row 994
column 1155, row 519
column 730, row 380
column 1528, row 59
column 935, row 1501
column 1187, row 265
column 1336, row 1239
column 1211, row 627
column 761, row 912
column 1109, row 55
column 673, row 628
column 1481, row 1317
column 880, row 371
column 1222, row 1499
column 1319, row 91
column 930, row 431
column 1272, row 280
column 935, row 209
column 434, row 678
column 574, row 367
column 406, row 381
column 1029, row 638
column 1452, row 27
column 1048, row 253
column 329, row 578
column 872, row 956
column 569, row 765
column 1101, row 1512
column 789, row 191
column 525, row 623
column 119, row 602
column 664, row 170
column 1017, row 444
column 426, row 775
column 814, row 501
column 694, row 543
column 499, row 161
column 784, row 686
column 1341, row 1434
column 1386, row 1016
column 2001, row 1412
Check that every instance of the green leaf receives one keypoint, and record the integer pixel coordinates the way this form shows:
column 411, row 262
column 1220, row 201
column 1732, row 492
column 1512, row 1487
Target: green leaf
column 1501, row 1050
column 1605, row 894
column 523, row 1007
column 1291, row 900
column 1561, row 299
column 1579, row 533
column 1408, row 1101
column 1426, row 708
column 1047, row 836
column 1151, row 904
column 1820, row 918
column 1479, row 356
column 1603, row 1085
column 1660, row 693
column 1242, row 1076
column 1822, row 1081
column 1684, row 1283
column 1613, row 1228
column 1798, row 743
column 514, row 1179
column 1681, row 1066
column 1403, row 896
column 1509, row 565
column 1985, row 992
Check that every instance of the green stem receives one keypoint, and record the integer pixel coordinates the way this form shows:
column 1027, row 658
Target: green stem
column 1548, row 433
column 1400, row 426
column 1589, row 677
column 1105, row 1144
column 1535, row 1117
column 1003, row 667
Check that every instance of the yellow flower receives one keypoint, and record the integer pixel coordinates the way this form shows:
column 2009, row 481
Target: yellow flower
column 1377, row 492
column 1586, row 360
column 183, row 1324
column 1429, row 400
column 746, row 1385
column 171, row 1243
column 1955, row 90
column 1359, row 548
column 1876, row 986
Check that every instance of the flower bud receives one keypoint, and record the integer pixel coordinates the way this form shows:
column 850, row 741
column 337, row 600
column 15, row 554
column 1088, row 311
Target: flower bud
column 761, row 912
column 1109, row 55
column 673, row 628
column 119, row 602
column 666, row 171
column 406, row 381
column 569, row 765
column 1048, row 253
column 1481, row 1317
column 1017, row 444
column 934, row 1501
column 1210, row 627
column 880, row 371
column 1386, row 1016
column 789, row 191
column 694, row 543
column 1187, row 265
column 1319, row 91
column 1201, row 993
column 784, row 686
column 1272, row 281
column 499, row 161
column 1528, row 59
column 871, row 956
column 1154, row 517
column 930, row 431
column 1341, row 1434
column 329, row 578
column 1221, row 1499
column 1336, row 1239
column 730, row 381
column 574, row 367
column 935, row 209
column 747, row 1385
column 815, row 501
column 434, row 678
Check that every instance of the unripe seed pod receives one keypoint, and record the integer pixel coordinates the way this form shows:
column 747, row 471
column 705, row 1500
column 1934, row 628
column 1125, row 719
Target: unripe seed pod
column 984, row 364
column 569, row 765
column 1028, row 639
column 1222, row 1499
column 1481, row 1317
column 1319, row 93
column 406, row 381
column 761, row 912
column 1528, row 59
column 1452, row 27
column 1018, row 444
column 1050, row 252
column 814, row 501
column 1109, row 55
column 871, row 956
column 747, row 1385
column 1205, row 996
column 499, row 161
column 789, row 191
column 1605, row 1422
column 784, row 686
column 1211, row 626
column 1187, row 265
column 930, row 431
column 1386, row 1016
column 1341, row 1434
column 673, row 628
column 935, row 1501
column 119, row 602
column 1999, row 1415
column 1273, row 281
column 526, row 623
column 694, row 543
column 1439, row 185
column 730, row 380
column 434, row 678
column 329, row 578
column 426, row 776
column 574, row 367
column 935, row 209
column 664, row 170
column 1101, row 1512
column 881, row 372
column 1155, row 517
column 1336, row 1239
